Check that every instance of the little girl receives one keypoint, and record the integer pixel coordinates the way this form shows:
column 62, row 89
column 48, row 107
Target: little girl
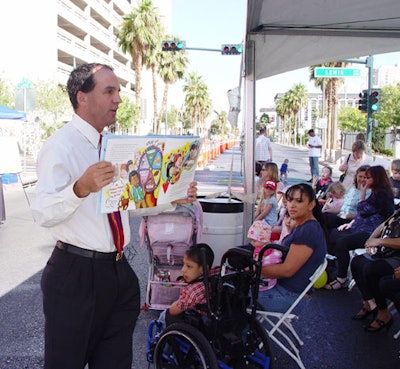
column 259, row 235
column 321, row 185
column 267, row 208
column 334, row 198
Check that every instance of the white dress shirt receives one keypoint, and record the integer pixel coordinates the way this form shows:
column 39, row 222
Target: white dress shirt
column 63, row 159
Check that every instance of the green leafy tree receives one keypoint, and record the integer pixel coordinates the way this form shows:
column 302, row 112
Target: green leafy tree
column 6, row 97
column 127, row 115
column 52, row 106
column 351, row 119
column 388, row 117
column 264, row 120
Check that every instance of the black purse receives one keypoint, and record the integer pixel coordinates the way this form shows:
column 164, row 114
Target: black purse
column 391, row 229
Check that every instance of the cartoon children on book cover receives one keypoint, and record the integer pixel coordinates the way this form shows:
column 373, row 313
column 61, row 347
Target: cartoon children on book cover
column 151, row 171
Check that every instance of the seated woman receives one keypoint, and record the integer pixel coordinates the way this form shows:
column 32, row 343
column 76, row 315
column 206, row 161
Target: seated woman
column 305, row 253
column 370, row 213
column 369, row 269
column 348, row 210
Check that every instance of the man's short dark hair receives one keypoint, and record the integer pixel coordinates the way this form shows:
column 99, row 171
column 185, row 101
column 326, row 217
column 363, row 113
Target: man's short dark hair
column 81, row 79
column 262, row 131
column 310, row 131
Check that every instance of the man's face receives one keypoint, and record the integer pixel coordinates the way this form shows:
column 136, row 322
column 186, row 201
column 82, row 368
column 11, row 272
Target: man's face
column 99, row 106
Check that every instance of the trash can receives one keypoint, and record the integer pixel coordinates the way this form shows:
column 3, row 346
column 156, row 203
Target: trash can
column 222, row 224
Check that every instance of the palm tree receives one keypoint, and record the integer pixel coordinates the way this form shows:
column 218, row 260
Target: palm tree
column 151, row 60
column 283, row 111
column 331, row 87
column 297, row 99
column 172, row 66
column 138, row 35
column 197, row 100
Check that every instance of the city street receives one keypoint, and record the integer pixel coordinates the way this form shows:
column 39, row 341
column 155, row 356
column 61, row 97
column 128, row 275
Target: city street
column 331, row 339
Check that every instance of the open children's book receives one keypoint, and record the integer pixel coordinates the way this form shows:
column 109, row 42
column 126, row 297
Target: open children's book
column 150, row 172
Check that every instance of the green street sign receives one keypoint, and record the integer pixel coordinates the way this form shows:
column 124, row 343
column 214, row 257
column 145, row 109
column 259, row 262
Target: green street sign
column 336, row 72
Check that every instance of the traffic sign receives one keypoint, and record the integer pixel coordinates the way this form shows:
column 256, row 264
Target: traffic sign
column 336, row 72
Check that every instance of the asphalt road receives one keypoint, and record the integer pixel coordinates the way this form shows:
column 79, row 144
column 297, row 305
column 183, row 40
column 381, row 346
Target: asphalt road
column 331, row 339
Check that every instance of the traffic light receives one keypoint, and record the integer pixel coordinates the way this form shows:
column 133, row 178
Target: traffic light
column 375, row 101
column 363, row 102
column 171, row 45
column 231, row 49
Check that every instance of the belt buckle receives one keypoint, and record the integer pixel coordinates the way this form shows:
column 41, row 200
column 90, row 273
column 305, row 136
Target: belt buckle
column 118, row 256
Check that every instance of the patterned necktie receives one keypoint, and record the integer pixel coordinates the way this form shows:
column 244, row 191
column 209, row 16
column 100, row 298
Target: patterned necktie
column 116, row 225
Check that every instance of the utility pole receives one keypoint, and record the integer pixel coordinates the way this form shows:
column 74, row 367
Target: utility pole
column 369, row 63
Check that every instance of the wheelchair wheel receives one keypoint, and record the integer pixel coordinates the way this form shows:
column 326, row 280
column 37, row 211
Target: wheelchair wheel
column 260, row 352
column 182, row 346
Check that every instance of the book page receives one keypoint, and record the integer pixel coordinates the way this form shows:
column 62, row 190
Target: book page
column 150, row 172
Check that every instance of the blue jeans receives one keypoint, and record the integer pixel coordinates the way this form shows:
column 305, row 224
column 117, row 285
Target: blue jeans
column 314, row 165
column 279, row 299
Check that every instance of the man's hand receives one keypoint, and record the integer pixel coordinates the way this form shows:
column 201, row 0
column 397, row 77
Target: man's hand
column 191, row 195
column 94, row 179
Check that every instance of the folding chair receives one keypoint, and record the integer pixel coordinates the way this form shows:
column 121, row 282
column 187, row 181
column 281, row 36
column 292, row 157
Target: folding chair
column 285, row 320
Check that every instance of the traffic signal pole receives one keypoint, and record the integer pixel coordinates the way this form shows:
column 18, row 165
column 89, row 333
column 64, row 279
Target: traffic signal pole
column 369, row 63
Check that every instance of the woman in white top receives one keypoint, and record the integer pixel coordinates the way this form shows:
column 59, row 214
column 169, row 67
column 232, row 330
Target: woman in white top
column 353, row 161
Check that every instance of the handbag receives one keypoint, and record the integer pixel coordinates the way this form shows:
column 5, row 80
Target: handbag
column 343, row 175
column 391, row 229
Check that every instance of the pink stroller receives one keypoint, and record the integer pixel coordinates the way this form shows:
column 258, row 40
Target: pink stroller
column 168, row 235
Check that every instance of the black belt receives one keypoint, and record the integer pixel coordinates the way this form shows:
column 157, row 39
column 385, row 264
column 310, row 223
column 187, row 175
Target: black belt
column 71, row 249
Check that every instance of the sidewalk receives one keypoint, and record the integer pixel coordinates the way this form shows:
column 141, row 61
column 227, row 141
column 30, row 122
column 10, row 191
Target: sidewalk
column 332, row 339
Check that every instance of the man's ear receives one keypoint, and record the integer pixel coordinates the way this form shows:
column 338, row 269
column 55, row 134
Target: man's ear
column 81, row 97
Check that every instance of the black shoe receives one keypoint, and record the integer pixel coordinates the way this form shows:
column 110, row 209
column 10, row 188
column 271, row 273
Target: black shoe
column 363, row 313
column 310, row 180
column 381, row 325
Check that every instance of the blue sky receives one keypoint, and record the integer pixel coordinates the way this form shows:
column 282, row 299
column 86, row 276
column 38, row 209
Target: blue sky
column 210, row 23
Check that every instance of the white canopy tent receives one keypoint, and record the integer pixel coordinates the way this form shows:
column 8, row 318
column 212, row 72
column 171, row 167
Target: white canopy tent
column 283, row 35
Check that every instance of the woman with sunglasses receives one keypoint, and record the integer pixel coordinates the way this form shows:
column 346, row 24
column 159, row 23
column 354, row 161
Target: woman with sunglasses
column 371, row 212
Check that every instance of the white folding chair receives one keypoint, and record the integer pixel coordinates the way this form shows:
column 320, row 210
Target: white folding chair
column 276, row 322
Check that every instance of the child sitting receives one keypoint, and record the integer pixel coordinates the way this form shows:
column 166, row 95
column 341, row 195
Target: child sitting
column 259, row 235
column 194, row 293
column 267, row 209
column 395, row 177
column 334, row 198
column 321, row 185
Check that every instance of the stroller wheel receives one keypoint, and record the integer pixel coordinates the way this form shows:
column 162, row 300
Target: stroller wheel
column 182, row 346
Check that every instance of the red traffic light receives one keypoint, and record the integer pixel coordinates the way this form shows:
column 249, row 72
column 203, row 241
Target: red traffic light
column 173, row 45
column 232, row 49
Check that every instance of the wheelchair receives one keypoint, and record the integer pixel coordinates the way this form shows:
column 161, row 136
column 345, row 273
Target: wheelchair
column 228, row 335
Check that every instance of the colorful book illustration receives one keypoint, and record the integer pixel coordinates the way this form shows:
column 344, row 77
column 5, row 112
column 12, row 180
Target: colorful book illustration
column 150, row 172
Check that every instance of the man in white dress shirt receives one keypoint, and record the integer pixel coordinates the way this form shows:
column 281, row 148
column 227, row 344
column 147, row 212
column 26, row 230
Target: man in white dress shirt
column 91, row 297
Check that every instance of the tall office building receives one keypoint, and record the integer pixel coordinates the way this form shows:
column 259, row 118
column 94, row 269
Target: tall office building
column 43, row 40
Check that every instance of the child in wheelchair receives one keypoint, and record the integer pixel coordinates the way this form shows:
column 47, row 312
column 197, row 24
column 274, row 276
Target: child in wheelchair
column 227, row 334
column 193, row 295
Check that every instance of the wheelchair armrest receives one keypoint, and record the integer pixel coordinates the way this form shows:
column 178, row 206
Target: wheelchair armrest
column 275, row 246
